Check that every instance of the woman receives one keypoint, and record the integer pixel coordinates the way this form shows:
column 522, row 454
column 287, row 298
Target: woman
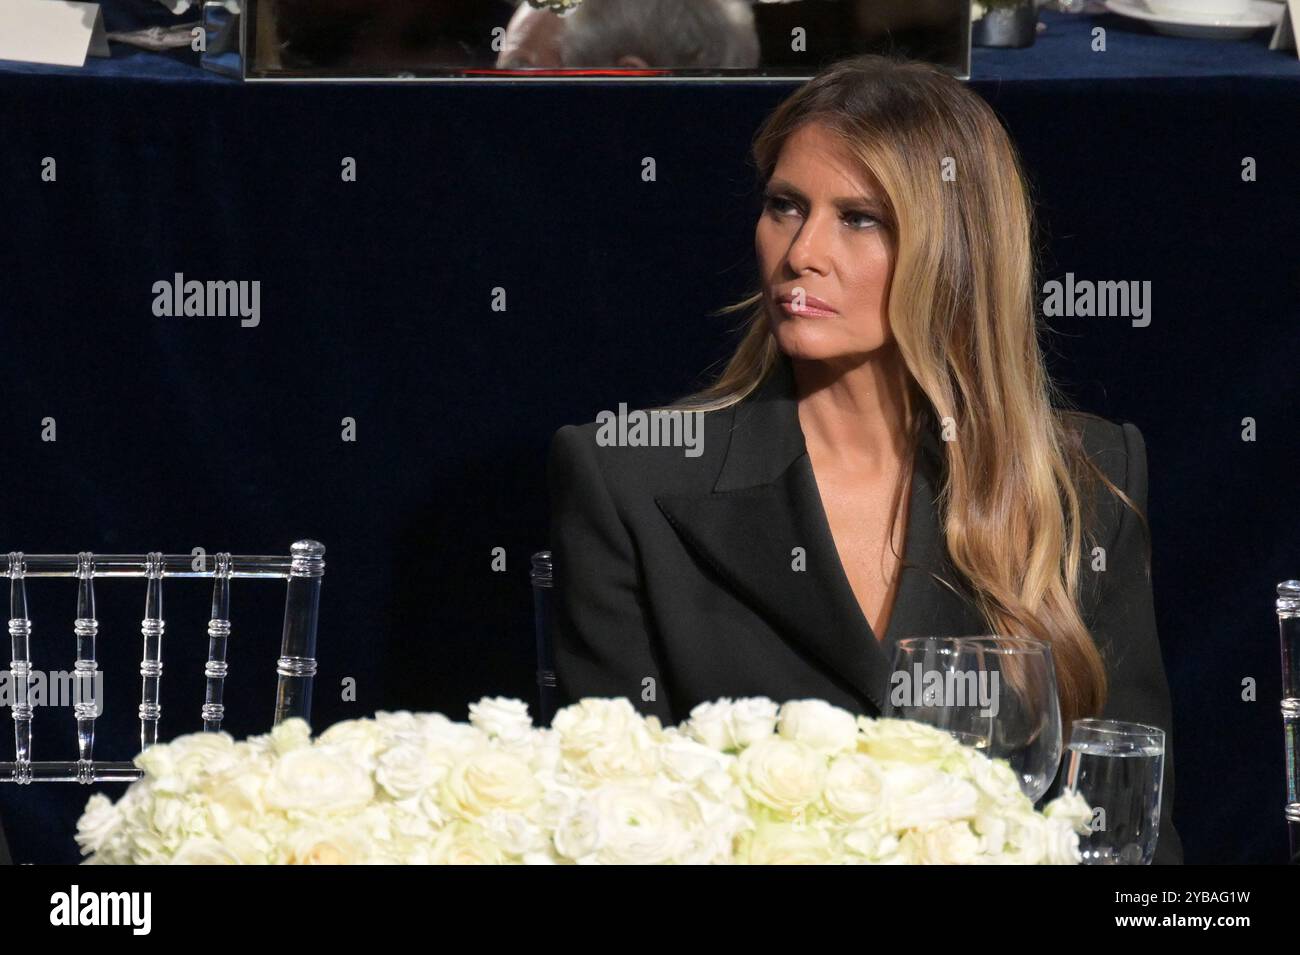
column 881, row 456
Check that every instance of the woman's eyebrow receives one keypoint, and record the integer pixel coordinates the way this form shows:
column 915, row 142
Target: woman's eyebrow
column 842, row 202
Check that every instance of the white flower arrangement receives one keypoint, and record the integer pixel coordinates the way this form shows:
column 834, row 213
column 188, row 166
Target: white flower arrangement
column 741, row 781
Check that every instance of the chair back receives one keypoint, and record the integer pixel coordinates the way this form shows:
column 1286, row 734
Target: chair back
column 303, row 570
column 542, row 579
column 1288, row 618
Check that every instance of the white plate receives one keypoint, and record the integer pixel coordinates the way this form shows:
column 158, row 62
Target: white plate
column 1199, row 25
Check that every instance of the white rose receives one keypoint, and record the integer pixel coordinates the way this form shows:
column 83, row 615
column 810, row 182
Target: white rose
column 410, row 833
column 783, row 843
column 146, row 848
column 325, row 845
column 752, row 719
column 685, row 760
column 543, row 753
column 728, row 725
column 178, row 765
column 318, row 779
column 905, row 741
column 997, row 782
column 246, row 845
column 816, row 723
column 595, row 723
column 854, row 787
column 175, row 820
column 710, row 724
column 714, row 824
column 723, row 787
column 463, row 843
column 98, row 823
column 488, row 780
column 513, row 832
column 460, row 739
column 407, row 770
column 396, row 722
column 165, row 814
column 430, row 804
column 408, row 819
column 559, row 799
column 1060, row 842
column 204, row 851
column 1026, row 839
column 501, row 717
column 870, row 843
column 1070, row 807
column 293, row 733
column 235, row 797
column 918, row 797
column 361, row 739
column 952, row 843
column 638, row 825
column 203, row 752
column 635, row 756
column 577, row 830
column 783, row 774
column 992, row 830
column 603, row 739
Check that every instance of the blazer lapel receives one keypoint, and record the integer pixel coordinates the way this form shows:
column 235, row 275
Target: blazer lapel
column 765, row 503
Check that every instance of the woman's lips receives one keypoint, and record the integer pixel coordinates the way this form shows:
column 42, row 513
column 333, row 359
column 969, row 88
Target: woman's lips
column 808, row 310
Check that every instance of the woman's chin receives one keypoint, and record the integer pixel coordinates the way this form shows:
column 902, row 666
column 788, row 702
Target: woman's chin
column 812, row 347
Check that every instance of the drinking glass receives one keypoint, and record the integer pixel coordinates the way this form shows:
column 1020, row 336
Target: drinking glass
column 1118, row 768
column 997, row 694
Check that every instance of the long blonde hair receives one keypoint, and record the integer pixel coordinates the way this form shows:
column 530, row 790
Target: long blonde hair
column 963, row 311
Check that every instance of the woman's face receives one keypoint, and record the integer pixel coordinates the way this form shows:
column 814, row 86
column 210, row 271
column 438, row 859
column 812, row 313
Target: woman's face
column 822, row 231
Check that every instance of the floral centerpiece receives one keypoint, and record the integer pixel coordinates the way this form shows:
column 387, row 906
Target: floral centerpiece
column 744, row 781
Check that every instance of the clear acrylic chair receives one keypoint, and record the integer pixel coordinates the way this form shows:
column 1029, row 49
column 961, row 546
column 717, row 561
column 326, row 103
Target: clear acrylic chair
column 303, row 570
column 543, row 582
column 1288, row 618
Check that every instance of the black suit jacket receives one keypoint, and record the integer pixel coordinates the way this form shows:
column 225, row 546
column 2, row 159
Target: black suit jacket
column 674, row 581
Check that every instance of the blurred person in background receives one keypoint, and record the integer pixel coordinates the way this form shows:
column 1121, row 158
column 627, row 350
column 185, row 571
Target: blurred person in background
column 633, row 34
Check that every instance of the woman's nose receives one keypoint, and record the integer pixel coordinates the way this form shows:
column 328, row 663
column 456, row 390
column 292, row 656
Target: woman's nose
column 810, row 248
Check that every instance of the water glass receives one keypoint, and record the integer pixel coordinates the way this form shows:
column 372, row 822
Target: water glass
column 1118, row 768
column 997, row 694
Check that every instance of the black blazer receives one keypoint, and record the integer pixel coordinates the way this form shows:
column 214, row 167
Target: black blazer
column 673, row 579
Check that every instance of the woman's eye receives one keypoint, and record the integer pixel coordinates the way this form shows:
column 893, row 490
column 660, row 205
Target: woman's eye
column 780, row 206
column 870, row 219
column 775, row 203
